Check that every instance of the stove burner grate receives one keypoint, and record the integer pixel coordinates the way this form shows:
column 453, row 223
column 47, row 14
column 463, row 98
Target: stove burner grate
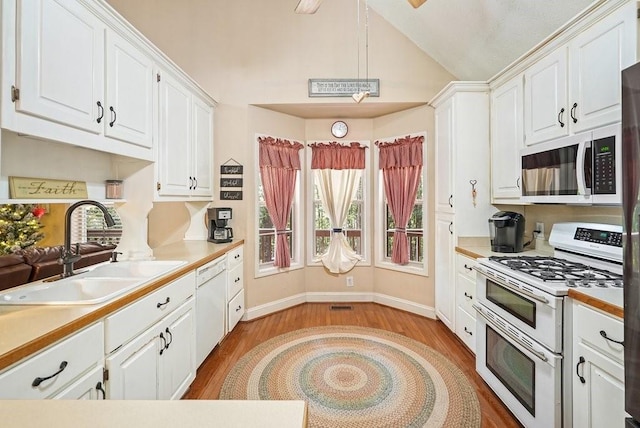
column 552, row 269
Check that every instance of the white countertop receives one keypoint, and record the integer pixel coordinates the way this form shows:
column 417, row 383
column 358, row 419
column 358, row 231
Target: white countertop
column 152, row 414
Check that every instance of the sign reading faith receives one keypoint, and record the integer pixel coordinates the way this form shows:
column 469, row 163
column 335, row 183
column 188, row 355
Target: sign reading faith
column 343, row 87
column 44, row 188
column 231, row 195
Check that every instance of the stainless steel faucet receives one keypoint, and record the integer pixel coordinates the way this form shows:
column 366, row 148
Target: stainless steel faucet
column 68, row 258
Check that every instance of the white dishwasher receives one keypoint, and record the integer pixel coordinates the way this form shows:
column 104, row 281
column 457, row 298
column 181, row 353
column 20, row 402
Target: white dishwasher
column 211, row 280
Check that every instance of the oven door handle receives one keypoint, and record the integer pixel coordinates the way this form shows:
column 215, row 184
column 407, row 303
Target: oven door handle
column 525, row 345
column 512, row 288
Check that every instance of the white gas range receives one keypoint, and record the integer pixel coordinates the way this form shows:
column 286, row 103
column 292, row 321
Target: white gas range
column 521, row 334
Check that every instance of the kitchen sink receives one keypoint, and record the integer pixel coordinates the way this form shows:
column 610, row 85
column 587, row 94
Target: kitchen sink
column 100, row 284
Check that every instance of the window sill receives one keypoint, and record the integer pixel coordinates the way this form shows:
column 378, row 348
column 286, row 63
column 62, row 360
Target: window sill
column 269, row 271
column 414, row 269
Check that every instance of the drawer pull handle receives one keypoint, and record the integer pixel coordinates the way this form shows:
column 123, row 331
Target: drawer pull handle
column 239, row 307
column 470, row 333
column 99, row 388
column 170, row 337
column 237, row 279
column 37, row 381
column 467, row 267
column 581, row 360
column 164, row 346
column 604, row 334
column 159, row 305
column 468, row 296
column 237, row 256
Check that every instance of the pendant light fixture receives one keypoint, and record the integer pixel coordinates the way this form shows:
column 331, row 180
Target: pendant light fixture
column 362, row 94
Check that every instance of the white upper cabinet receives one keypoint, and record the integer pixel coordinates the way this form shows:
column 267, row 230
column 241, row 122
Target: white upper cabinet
column 506, row 139
column 545, row 96
column 444, row 156
column 597, row 56
column 577, row 86
column 185, row 143
column 128, row 110
column 60, row 63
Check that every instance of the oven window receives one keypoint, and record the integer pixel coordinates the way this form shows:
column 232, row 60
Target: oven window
column 516, row 305
column 513, row 368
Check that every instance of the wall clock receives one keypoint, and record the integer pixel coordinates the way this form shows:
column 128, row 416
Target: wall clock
column 339, row 129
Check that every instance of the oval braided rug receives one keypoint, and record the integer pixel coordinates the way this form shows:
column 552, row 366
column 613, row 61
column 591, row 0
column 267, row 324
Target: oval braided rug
column 356, row 377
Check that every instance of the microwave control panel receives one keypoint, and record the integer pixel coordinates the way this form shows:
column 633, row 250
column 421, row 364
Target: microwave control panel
column 604, row 166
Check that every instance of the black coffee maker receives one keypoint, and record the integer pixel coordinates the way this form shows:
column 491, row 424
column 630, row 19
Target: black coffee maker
column 218, row 231
column 506, row 229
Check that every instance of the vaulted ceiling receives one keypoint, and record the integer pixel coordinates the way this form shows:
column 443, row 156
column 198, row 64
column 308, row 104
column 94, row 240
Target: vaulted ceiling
column 475, row 39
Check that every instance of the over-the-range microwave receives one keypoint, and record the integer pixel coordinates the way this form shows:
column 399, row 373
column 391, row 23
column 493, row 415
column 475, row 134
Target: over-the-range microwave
column 584, row 168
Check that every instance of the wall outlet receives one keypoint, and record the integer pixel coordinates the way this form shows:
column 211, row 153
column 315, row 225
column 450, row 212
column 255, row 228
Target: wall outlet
column 349, row 281
column 540, row 227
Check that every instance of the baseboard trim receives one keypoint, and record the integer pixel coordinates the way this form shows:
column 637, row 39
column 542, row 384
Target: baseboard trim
column 319, row 297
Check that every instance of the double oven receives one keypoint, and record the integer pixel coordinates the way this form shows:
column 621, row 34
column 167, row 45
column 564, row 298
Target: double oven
column 523, row 340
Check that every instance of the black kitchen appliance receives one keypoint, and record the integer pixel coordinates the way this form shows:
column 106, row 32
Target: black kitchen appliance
column 218, row 231
column 631, row 239
column 506, row 229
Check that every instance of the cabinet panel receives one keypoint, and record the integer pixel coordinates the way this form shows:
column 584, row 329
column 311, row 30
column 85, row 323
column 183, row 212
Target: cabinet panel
column 88, row 387
column 175, row 137
column 591, row 323
column 545, row 98
column 444, row 157
column 235, row 310
column 129, row 85
column 178, row 361
column 466, row 328
column 507, row 136
column 235, row 281
column 60, row 63
column 444, row 279
column 202, row 144
column 78, row 352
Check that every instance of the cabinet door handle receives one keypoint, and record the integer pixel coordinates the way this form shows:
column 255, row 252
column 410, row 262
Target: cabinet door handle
column 468, row 296
column 113, row 116
column 237, row 279
column 467, row 267
column 37, row 381
column 581, row 360
column 99, row 388
column 573, row 110
column 604, row 334
column 195, row 181
column 560, row 117
column 164, row 345
column 450, row 228
column 170, row 337
column 518, row 182
column 450, row 203
column 100, row 111
column 238, row 308
column 470, row 333
column 159, row 305
column 237, row 256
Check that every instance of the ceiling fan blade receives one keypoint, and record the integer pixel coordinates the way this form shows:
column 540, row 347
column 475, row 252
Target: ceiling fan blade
column 416, row 3
column 308, row 6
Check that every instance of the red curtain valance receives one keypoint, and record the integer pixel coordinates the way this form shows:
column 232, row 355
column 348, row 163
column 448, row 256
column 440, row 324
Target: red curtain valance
column 337, row 156
column 402, row 152
column 279, row 153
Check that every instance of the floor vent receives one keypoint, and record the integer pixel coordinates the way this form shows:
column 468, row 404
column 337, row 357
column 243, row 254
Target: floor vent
column 341, row 307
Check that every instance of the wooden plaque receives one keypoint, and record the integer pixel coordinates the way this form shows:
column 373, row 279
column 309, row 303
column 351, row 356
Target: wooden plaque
column 46, row 188
column 230, row 182
column 231, row 195
column 230, row 169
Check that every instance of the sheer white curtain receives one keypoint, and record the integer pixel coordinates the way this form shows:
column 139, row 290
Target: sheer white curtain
column 337, row 171
column 336, row 189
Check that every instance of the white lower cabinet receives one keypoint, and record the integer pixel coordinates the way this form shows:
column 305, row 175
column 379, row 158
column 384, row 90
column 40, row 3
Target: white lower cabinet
column 235, row 287
column 88, row 387
column 51, row 370
column 159, row 363
column 598, row 378
column 444, row 275
column 465, row 298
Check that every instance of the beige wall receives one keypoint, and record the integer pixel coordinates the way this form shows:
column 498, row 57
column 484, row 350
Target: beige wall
column 246, row 53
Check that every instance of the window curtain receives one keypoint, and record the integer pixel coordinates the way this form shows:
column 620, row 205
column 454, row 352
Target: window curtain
column 401, row 165
column 279, row 164
column 337, row 169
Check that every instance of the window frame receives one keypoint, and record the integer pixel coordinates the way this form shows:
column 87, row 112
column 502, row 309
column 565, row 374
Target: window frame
column 381, row 261
column 297, row 229
column 366, row 206
column 79, row 223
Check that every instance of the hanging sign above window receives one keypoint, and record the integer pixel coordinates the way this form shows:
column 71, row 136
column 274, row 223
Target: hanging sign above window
column 343, row 87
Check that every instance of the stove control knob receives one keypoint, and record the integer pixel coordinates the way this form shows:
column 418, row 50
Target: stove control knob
column 571, row 283
column 617, row 283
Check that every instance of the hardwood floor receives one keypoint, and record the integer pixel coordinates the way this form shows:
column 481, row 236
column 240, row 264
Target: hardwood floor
column 246, row 335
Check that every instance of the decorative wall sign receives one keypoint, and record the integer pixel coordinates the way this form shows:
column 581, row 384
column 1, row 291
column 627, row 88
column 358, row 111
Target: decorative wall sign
column 45, row 188
column 231, row 195
column 231, row 169
column 343, row 87
column 230, row 182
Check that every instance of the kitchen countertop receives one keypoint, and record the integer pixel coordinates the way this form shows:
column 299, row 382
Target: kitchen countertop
column 609, row 300
column 27, row 329
column 153, row 414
